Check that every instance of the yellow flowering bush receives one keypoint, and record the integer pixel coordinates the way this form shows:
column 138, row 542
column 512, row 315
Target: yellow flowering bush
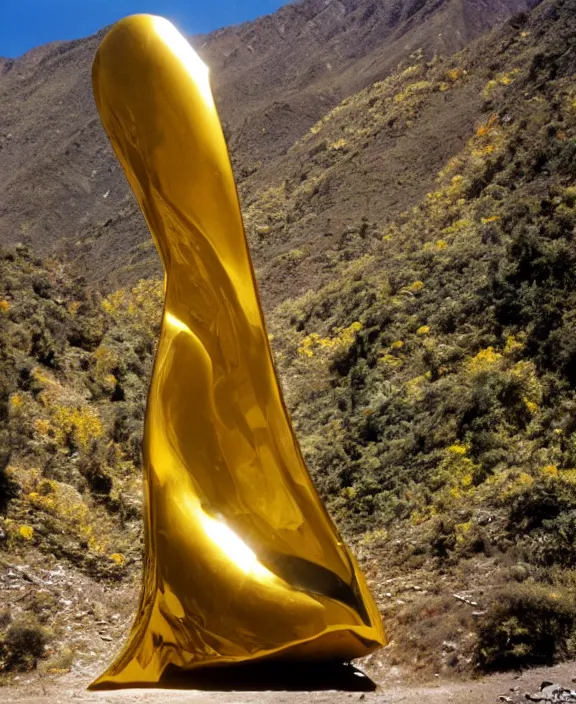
column 342, row 339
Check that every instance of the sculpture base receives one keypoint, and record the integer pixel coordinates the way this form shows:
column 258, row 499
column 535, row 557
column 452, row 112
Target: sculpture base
column 262, row 676
column 320, row 664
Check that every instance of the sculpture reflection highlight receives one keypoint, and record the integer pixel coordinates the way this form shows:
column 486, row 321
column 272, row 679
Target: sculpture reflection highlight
column 242, row 561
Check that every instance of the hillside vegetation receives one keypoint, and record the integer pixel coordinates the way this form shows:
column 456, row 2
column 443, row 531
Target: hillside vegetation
column 432, row 379
column 430, row 367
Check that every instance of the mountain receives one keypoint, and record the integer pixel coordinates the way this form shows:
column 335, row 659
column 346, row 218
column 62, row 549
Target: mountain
column 430, row 366
column 273, row 78
column 287, row 68
column 425, row 341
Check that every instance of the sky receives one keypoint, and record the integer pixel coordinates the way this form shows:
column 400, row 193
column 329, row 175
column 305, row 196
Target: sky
column 25, row 24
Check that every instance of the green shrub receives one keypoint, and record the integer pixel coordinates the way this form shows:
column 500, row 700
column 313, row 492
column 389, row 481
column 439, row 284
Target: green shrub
column 22, row 646
column 526, row 624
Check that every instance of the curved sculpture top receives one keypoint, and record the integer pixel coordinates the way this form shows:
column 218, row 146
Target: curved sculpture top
column 242, row 560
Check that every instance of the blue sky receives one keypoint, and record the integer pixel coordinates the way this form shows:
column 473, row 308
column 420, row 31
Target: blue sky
column 27, row 23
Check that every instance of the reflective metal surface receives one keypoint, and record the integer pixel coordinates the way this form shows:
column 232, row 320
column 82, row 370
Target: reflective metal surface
column 242, row 560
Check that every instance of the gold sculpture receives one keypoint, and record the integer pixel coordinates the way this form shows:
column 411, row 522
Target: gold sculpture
column 242, row 560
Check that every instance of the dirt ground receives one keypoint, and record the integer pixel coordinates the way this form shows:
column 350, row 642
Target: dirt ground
column 89, row 621
column 71, row 689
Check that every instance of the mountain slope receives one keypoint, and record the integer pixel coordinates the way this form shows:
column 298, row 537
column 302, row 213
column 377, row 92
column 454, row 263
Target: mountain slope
column 273, row 79
column 430, row 370
column 311, row 55
column 433, row 377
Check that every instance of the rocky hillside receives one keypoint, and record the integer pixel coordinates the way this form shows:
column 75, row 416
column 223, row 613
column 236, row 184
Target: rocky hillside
column 432, row 377
column 274, row 79
column 427, row 350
